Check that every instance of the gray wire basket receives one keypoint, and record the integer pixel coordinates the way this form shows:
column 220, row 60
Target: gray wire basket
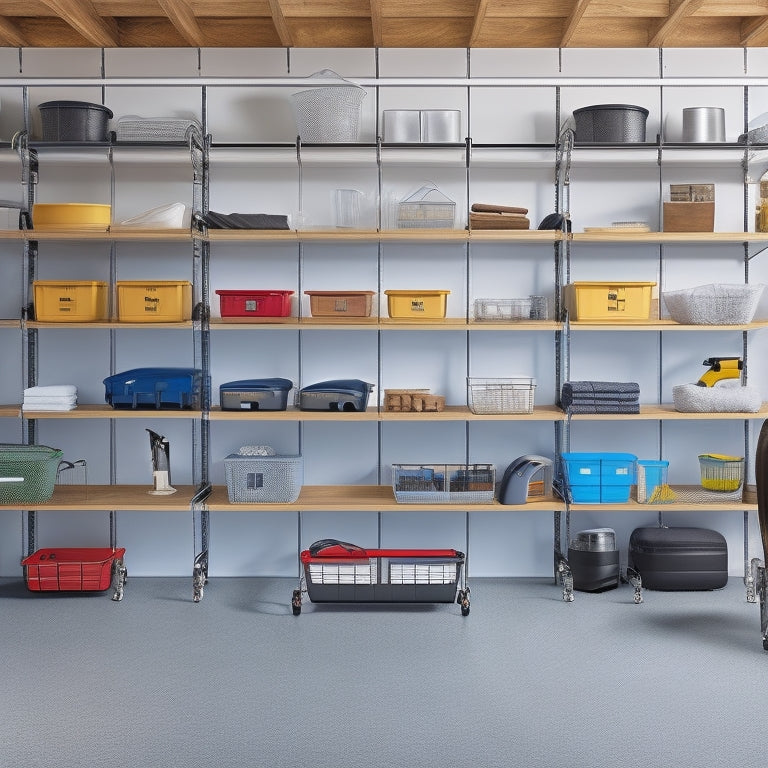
column 443, row 483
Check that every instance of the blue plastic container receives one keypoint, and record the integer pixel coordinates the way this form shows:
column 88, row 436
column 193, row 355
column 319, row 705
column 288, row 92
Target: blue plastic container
column 159, row 388
column 599, row 478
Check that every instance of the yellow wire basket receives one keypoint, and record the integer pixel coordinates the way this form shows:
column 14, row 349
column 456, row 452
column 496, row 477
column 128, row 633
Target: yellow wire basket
column 720, row 472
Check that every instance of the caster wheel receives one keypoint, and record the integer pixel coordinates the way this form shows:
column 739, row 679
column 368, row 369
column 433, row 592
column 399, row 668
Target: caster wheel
column 465, row 610
column 296, row 610
column 296, row 602
column 765, row 643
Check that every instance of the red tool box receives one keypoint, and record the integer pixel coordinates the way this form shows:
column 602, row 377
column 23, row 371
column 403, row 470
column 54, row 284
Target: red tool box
column 83, row 569
column 339, row 572
column 247, row 303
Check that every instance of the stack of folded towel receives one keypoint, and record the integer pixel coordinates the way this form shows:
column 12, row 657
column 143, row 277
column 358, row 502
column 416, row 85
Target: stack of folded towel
column 601, row 397
column 58, row 397
column 492, row 216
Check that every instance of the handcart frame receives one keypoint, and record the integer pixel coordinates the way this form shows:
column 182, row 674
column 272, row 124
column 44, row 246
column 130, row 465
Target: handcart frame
column 339, row 572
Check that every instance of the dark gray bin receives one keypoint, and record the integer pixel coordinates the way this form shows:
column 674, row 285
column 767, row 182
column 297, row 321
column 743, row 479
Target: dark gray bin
column 74, row 121
column 610, row 124
column 679, row 558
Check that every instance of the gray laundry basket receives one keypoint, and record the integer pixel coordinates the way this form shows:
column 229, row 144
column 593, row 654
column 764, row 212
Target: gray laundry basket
column 328, row 114
column 610, row 124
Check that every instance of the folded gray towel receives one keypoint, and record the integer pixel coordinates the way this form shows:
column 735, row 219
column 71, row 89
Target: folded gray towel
column 604, row 408
column 608, row 392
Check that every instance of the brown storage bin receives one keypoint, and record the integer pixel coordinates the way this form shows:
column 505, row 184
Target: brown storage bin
column 340, row 303
column 689, row 217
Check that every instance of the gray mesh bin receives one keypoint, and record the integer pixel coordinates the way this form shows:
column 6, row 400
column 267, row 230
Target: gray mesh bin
column 610, row 124
column 275, row 479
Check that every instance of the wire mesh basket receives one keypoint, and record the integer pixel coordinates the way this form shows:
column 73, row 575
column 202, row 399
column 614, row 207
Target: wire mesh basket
column 503, row 310
column 157, row 129
column 721, row 473
column 714, row 304
column 330, row 113
column 443, row 483
column 511, row 395
column 72, row 472
column 426, row 208
column 27, row 472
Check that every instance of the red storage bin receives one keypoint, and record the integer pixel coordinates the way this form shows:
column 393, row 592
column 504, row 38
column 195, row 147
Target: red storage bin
column 243, row 303
column 84, row 569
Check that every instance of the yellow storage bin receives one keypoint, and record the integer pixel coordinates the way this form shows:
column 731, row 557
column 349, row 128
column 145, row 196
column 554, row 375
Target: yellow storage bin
column 71, row 301
column 155, row 301
column 606, row 300
column 55, row 216
column 417, row 305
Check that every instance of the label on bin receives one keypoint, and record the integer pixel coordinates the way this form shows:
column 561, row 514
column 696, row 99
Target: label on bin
column 585, row 471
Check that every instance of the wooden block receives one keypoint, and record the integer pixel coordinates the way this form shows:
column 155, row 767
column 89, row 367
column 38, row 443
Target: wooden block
column 689, row 217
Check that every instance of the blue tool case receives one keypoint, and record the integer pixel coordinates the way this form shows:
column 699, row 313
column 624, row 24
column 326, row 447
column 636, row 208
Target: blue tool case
column 159, row 388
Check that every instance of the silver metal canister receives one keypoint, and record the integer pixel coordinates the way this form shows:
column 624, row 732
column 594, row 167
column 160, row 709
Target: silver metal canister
column 703, row 124
column 441, row 126
column 402, row 126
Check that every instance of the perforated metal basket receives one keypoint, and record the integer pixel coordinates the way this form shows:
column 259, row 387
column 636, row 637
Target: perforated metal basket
column 714, row 303
column 328, row 114
column 254, row 479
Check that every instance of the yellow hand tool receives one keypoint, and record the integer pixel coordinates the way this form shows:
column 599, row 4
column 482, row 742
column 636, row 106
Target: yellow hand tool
column 720, row 368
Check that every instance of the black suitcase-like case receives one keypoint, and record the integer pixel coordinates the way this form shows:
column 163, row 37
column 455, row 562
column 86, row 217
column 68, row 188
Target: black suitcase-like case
column 679, row 558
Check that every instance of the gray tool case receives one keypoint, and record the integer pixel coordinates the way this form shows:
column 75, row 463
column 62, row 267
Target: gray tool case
column 679, row 558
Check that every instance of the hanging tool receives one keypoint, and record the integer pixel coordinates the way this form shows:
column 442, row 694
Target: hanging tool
column 721, row 368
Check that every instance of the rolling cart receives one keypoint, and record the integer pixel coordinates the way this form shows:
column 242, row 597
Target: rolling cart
column 338, row 572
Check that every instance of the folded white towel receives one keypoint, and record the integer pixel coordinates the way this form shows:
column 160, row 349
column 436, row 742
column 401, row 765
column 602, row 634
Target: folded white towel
column 53, row 389
column 59, row 400
column 48, row 406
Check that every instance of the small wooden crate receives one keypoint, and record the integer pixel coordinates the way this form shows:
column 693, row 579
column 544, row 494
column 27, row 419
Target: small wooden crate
column 340, row 303
column 689, row 217
column 413, row 400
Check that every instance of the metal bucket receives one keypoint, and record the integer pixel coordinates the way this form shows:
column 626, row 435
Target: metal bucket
column 703, row 124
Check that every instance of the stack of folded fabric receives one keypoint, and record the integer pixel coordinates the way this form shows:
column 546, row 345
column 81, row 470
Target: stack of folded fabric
column 490, row 216
column 58, row 397
column 601, row 397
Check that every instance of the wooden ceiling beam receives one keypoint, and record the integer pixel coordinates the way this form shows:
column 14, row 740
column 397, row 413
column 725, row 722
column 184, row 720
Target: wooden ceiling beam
column 477, row 24
column 82, row 17
column 754, row 29
column 682, row 10
column 378, row 35
column 10, row 34
column 281, row 25
column 579, row 9
column 180, row 14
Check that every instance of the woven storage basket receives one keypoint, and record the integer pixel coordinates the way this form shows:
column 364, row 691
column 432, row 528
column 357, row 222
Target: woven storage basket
column 331, row 113
column 714, row 304
column 27, row 472
column 691, row 398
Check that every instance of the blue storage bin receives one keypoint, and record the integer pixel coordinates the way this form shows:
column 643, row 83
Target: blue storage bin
column 159, row 388
column 598, row 478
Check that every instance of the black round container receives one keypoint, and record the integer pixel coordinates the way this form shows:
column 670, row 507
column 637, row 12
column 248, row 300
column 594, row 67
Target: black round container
column 594, row 560
column 610, row 124
column 74, row 121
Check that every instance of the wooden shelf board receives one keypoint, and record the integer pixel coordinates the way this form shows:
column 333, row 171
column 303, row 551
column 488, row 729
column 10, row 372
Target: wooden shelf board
column 113, row 497
column 104, row 411
column 110, row 324
column 660, row 325
column 669, row 237
column 383, row 323
column 293, row 414
column 10, row 324
column 362, row 498
column 667, row 412
column 515, row 235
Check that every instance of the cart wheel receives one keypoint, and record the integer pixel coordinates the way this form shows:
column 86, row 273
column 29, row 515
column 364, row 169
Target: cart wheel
column 296, row 602
column 465, row 609
column 463, row 600
column 765, row 643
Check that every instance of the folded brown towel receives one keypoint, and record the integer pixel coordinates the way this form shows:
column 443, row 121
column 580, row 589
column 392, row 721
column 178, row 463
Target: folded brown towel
column 498, row 221
column 493, row 208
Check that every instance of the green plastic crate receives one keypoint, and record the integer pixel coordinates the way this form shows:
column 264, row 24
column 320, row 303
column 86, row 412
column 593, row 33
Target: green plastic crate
column 27, row 472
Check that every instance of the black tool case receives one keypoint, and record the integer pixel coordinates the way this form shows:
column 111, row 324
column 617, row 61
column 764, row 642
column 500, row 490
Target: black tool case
column 335, row 395
column 679, row 558
column 255, row 395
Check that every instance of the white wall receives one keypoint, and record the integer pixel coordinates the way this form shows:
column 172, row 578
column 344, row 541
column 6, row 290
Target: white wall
column 257, row 180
